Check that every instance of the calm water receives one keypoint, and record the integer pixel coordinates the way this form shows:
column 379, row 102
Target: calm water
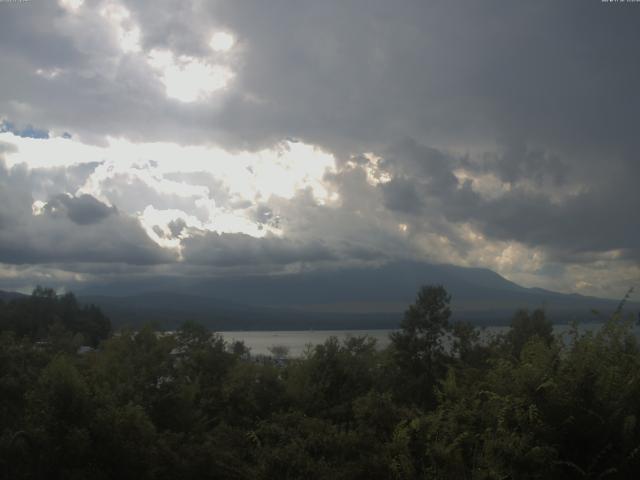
column 296, row 341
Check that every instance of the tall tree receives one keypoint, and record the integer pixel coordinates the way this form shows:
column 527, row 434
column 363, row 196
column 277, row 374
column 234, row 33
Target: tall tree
column 418, row 345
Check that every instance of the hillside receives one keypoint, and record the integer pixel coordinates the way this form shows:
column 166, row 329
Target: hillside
column 346, row 298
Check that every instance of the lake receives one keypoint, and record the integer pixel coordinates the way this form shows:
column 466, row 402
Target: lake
column 296, row 341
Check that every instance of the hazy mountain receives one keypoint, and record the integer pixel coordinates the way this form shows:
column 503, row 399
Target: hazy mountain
column 7, row 296
column 346, row 298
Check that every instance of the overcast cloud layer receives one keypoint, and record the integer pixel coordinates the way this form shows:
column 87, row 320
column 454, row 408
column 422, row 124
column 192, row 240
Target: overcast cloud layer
column 193, row 138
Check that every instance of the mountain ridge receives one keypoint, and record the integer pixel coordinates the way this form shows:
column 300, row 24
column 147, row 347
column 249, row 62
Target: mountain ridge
column 478, row 294
column 349, row 298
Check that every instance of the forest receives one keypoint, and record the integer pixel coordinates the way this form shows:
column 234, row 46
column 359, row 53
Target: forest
column 80, row 401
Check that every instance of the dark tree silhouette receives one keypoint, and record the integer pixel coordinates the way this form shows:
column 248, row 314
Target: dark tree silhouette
column 418, row 345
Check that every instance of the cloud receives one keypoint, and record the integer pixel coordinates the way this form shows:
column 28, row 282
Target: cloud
column 367, row 74
column 401, row 195
column 28, row 131
column 82, row 210
column 495, row 134
column 67, row 229
column 234, row 249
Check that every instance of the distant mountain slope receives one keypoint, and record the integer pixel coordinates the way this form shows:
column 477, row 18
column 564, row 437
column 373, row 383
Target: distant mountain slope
column 346, row 298
column 168, row 310
column 6, row 296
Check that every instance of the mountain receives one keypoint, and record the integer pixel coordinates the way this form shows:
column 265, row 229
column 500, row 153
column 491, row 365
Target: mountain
column 168, row 310
column 348, row 298
column 8, row 296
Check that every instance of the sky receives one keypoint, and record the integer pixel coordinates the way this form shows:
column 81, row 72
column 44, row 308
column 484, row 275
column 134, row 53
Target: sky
column 142, row 139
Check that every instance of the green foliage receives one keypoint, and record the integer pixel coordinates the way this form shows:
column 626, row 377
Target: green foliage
column 45, row 315
column 418, row 348
column 441, row 402
column 524, row 327
column 59, row 413
column 332, row 376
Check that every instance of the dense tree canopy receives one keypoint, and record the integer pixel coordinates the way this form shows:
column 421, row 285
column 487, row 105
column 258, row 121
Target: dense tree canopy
column 442, row 401
column 45, row 315
column 418, row 347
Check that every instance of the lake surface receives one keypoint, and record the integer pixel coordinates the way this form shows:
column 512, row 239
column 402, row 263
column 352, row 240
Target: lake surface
column 297, row 341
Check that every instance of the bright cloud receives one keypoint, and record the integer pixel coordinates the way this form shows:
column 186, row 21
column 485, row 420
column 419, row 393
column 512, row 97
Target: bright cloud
column 123, row 168
column 71, row 5
column 49, row 73
column 187, row 78
column 222, row 42
column 127, row 32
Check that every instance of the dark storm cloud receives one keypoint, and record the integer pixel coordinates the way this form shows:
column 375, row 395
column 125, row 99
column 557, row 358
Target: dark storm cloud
column 575, row 227
column 237, row 249
column 575, row 230
column 365, row 73
column 44, row 240
column 518, row 163
column 359, row 228
column 401, row 195
column 86, row 86
column 410, row 158
column 45, row 183
column 69, row 229
column 345, row 75
column 264, row 215
column 540, row 96
column 176, row 227
column 350, row 76
column 421, row 176
column 82, row 210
